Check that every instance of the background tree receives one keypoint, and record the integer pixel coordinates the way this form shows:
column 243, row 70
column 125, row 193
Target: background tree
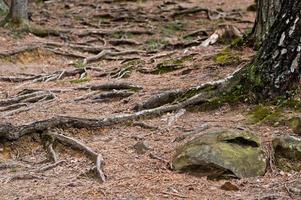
column 18, row 12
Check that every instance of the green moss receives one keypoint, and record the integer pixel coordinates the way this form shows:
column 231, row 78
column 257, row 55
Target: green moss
column 263, row 114
column 237, row 42
column 226, row 57
column 255, row 77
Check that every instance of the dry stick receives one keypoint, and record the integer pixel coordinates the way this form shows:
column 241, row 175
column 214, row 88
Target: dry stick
column 75, row 144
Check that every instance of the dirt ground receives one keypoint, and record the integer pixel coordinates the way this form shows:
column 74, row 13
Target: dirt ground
column 159, row 40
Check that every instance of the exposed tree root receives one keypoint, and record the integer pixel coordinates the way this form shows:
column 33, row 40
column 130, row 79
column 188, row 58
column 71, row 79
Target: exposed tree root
column 24, row 99
column 23, row 49
column 201, row 94
column 172, row 96
column 49, row 167
column 58, row 75
column 75, row 144
column 111, row 86
column 86, row 32
column 27, row 176
column 105, row 53
column 191, row 133
column 103, row 97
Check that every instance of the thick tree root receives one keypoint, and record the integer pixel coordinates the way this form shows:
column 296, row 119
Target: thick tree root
column 75, row 144
column 204, row 93
column 173, row 96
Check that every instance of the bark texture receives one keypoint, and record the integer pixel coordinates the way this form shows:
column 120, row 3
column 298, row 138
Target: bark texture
column 267, row 11
column 18, row 11
column 276, row 67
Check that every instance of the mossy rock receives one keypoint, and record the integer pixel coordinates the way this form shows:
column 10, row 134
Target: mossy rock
column 225, row 152
column 287, row 153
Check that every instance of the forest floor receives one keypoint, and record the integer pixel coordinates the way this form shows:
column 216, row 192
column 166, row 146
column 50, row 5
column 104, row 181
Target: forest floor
column 158, row 55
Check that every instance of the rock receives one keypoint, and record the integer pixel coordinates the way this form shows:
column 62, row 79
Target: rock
column 287, row 153
column 295, row 124
column 141, row 147
column 228, row 186
column 226, row 152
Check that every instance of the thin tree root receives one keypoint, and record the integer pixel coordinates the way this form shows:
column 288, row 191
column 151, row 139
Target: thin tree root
column 78, row 145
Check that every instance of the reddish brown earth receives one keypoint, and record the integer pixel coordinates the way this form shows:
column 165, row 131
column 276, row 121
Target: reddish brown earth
column 129, row 175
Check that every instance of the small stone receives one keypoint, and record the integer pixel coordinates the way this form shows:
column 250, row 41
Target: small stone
column 228, row 186
column 141, row 147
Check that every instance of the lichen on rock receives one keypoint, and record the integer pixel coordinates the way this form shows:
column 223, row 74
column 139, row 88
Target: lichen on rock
column 287, row 153
column 220, row 153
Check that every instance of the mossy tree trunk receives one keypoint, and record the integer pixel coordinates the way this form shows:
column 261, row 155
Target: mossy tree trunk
column 267, row 11
column 276, row 68
column 18, row 12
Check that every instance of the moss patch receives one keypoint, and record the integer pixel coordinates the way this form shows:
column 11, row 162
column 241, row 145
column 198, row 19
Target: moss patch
column 226, row 58
column 171, row 65
column 262, row 114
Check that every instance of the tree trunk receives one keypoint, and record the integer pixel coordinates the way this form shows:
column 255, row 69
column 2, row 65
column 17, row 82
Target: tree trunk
column 18, row 11
column 276, row 68
column 267, row 11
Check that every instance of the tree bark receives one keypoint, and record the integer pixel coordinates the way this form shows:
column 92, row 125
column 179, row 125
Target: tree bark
column 267, row 11
column 18, row 11
column 276, row 68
